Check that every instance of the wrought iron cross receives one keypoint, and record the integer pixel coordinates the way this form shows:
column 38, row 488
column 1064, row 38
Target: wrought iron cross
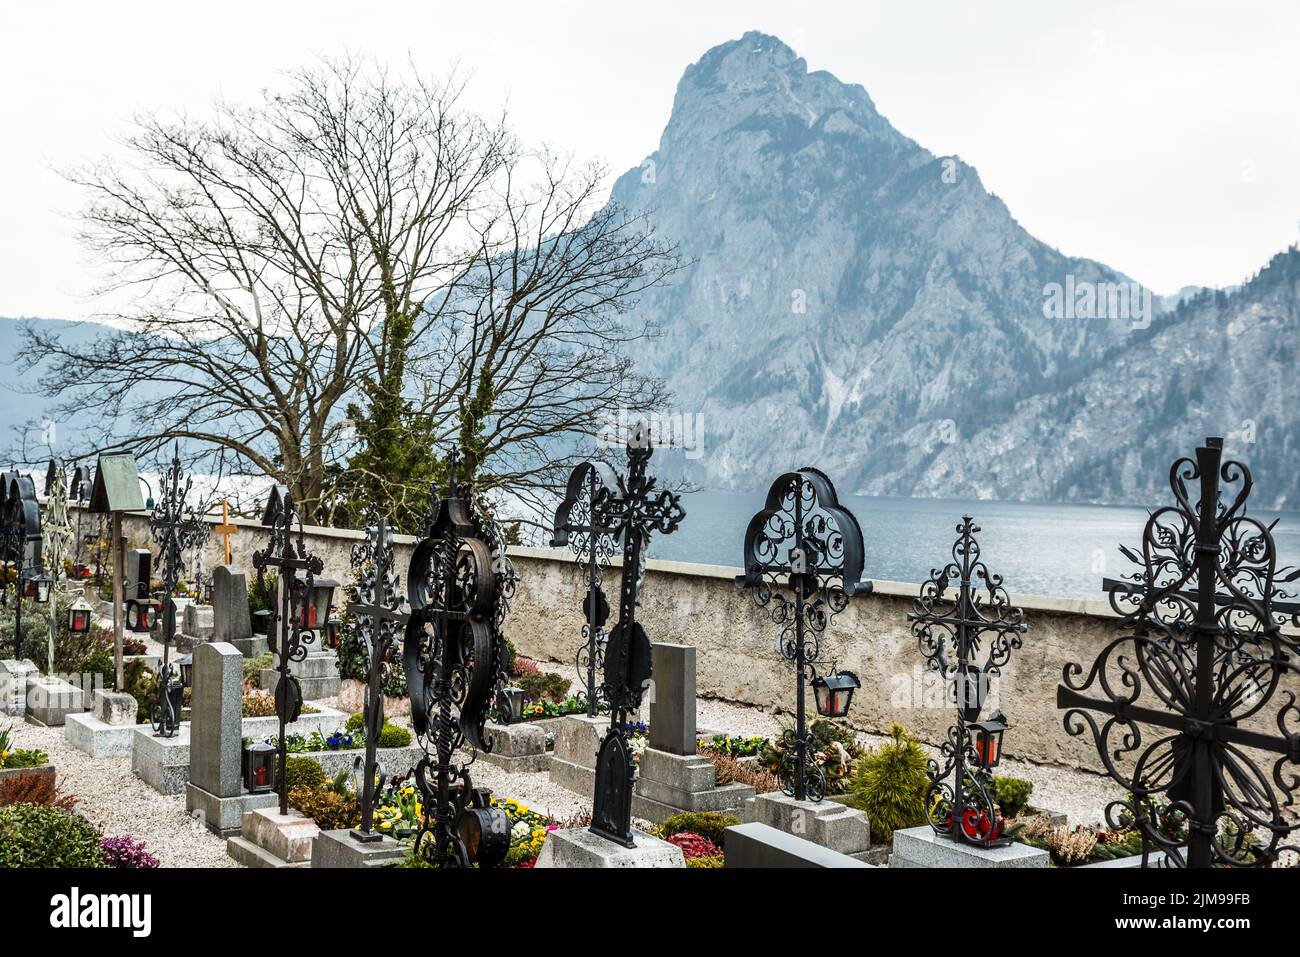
column 57, row 536
column 576, row 526
column 803, row 562
column 174, row 527
column 1202, row 623
column 631, row 514
column 951, row 632
column 379, row 610
column 287, row 626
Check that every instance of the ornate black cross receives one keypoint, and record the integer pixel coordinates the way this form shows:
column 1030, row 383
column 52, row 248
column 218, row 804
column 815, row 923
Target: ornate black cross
column 1202, row 630
column 631, row 513
column 379, row 610
column 174, row 528
column 21, row 541
column 575, row 526
column 288, row 627
column 951, row 631
column 803, row 562
column 459, row 584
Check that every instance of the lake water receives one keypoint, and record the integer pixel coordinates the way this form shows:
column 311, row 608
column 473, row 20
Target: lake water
column 1040, row 549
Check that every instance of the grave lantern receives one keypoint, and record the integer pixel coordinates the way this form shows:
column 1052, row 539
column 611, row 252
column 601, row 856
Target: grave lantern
column 514, row 705
column 209, row 587
column 259, row 767
column 834, row 692
column 142, row 614
column 37, row 586
column 333, row 628
column 316, row 609
column 79, row 616
column 186, row 667
column 988, row 739
column 485, row 831
column 262, row 621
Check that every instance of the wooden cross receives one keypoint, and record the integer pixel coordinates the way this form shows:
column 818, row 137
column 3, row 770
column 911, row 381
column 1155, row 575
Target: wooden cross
column 226, row 528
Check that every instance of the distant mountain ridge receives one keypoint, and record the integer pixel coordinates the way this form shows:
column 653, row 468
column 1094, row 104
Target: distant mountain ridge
column 862, row 304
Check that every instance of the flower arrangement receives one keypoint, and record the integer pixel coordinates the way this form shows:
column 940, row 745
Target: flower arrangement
column 11, row 757
column 398, row 811
column 528, row 831
column 126, row 854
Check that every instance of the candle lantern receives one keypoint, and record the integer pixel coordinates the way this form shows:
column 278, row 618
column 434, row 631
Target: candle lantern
column 315, row 607
column 262, row 621
column 485, row 831
column 37, row 586
column 142, row 614
column 259, row 767
column 186, row 667
column 79, row 613
column 988, row 739
column 333, row 629
column 512, row 705
column 834, row 692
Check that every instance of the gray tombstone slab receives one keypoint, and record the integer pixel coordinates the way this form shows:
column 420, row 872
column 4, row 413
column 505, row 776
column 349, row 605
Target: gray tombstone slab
column 231, row 620
column 672, row 708
column 216, row 714
column 214, row 793
column 757, row 845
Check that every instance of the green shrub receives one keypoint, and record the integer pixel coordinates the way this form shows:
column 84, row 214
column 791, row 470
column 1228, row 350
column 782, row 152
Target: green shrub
column 544, row 685
column 391, row 736
column 304, row 774
column 889, row 784
column 41, row 835
column 707, row 824
column 329, row 809
column 1013, row 794
column 711, row 860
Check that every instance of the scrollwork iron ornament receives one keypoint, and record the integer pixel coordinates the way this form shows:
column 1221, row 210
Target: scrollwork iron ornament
column 296, row 570
column 1202, row 622
column 803, row 561
column 575, row 527
column 966, row 628
column 174, row 528
column 379, row 609
column 21, row 538
column 631, row 511
column 459, row 585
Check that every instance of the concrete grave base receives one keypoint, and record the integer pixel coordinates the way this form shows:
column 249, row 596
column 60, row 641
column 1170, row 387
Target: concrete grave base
column 922, row 847
column 271, row 839
column 668, row 784
column 87, row 733
column 162, row 763
column 253, row 647
column 757, row 845
column 517, row 747
column 573, row 762
column 341, row 849
column 224, row 816
column 318, row 674
column 840, row 828
column 578, row 847
column 13, row 685
column 51, row 700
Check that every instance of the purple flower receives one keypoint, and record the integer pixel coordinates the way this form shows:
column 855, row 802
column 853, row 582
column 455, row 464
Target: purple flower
column 124, row 853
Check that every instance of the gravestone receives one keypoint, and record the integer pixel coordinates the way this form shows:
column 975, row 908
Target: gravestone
column 757, row 845
column 578, row 847
column 199, row 623
column 272, row 839
column 840, row 828
column 231, row 620
column 922, row 847
column 13, row 685
column 215, row 792
column 50, row 699
column 108, row 729
column 672, row 777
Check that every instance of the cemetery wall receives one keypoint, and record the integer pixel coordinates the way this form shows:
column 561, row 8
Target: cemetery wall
column 736, row 641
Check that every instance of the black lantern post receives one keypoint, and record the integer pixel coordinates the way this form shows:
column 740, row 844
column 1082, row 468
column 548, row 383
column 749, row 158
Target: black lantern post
column 631, row 511
column 951, row 628
column 803, row 562
column 1201, row 629
column 296, row 570
column 379, row 612
column 174, row 527
column 575, row 526
column 458, row 586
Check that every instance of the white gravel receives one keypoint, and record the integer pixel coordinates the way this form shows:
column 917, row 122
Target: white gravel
column 112, row 798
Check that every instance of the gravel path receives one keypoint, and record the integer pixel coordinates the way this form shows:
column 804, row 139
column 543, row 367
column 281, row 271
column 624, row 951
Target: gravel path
column 112, row 798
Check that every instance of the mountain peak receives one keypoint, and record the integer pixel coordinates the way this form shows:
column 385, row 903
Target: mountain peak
column 760, row 67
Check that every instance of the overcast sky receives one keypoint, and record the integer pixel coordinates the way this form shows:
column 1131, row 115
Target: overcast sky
column 1161, row 138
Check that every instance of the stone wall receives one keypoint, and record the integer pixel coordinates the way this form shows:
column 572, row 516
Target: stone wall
column 736, row 641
